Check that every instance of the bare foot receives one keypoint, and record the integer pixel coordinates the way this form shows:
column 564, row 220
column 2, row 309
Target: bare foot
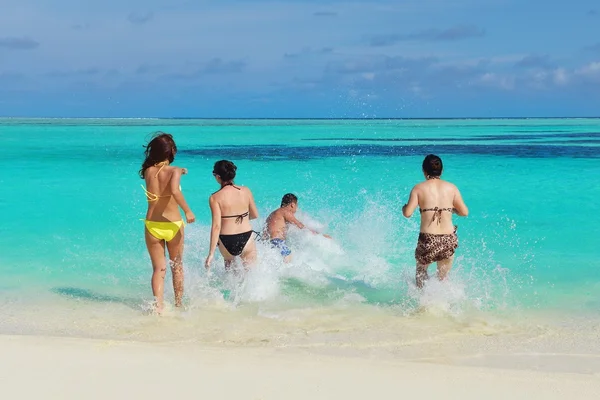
column 158, row 309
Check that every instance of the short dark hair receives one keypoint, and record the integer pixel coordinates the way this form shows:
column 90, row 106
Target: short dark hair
column 288, row 198
column 432, row 165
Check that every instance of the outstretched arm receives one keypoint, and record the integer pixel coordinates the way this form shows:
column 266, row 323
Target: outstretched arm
column 178, row 195
column 413, row 201
column 214, row 231
column 290, row 218
column 459, row 205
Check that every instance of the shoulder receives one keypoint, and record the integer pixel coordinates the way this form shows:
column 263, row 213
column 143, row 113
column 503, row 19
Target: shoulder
column 450, row 185
column 273, row 215
column 175, row 170
column 247, row 192
column 213, row 197
column 418, row 187
column 148, row 171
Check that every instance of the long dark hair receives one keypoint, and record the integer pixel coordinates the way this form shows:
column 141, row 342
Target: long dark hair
column 225, row 170
column 160, row 148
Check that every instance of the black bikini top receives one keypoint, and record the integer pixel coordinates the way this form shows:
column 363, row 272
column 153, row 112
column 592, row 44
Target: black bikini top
column 437, row 213
column 240, row 217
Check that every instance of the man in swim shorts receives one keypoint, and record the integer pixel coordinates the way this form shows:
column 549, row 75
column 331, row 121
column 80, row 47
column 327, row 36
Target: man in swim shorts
column 277, row 225
column 437, row 200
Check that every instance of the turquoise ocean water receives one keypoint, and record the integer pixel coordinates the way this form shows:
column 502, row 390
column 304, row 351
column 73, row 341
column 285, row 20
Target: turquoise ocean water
column 73, row 260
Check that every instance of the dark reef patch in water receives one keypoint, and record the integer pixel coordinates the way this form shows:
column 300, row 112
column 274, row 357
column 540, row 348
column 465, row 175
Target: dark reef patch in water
column 480, row 138
column 301, row 153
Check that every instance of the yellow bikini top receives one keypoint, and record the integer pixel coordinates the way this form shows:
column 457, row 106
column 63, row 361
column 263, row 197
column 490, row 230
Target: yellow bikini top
column 151, row 196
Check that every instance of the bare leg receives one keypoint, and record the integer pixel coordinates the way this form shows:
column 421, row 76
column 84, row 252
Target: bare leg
column 422, row 275
column 443, row 267
column 227, row 257
column 249, row 254
column 156, row 249
column 175, row 247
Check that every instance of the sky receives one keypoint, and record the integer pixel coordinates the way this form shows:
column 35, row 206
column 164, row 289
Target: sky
column 299, row 58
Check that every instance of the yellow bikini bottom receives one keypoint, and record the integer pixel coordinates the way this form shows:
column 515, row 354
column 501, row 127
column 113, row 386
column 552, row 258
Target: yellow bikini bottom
column 163, row 230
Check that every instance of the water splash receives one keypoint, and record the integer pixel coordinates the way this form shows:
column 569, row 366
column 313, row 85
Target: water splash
column 368, row 261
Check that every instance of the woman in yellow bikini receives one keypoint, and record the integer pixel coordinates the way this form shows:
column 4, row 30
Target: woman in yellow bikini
column 164, row 225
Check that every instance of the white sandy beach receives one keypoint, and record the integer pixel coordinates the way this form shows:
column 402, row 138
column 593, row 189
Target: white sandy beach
column 70, row 368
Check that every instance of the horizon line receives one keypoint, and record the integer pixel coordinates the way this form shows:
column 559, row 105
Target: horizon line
column 303, row 118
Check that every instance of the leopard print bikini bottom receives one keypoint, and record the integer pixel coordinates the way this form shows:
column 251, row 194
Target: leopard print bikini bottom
column 435, row 247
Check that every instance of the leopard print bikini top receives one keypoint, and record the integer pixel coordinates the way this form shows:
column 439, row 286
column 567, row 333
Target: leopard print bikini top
column 437, row 213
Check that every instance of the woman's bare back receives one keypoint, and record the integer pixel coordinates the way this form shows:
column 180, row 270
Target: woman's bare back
column 161, row 205
column 235, row 205
column 437, row 200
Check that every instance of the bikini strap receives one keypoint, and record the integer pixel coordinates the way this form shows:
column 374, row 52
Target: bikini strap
column 230, row 184
column 162, row 165
column 437, row 213
column 437, row 209
column 238, row 218
column 149, row 195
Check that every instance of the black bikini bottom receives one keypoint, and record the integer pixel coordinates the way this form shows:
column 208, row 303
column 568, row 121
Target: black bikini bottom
column 235, row 243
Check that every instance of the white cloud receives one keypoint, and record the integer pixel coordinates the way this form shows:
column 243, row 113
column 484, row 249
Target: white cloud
column 496, row 80
column 417, row 89
column 590, row 71
column 560, row 77
column 368, row 76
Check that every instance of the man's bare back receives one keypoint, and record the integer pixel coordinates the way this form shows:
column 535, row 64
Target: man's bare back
column 277, row 223
column 276, row 226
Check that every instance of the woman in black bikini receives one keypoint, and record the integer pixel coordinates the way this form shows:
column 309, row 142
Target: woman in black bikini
column 437, row 201
column 232, row 208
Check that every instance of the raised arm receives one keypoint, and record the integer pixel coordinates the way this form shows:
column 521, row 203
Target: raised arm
column 215, row 229
column 178, row 195
column 252, row 206
column 459, row 205
column 413, row 202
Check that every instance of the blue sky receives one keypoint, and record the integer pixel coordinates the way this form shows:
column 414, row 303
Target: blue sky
column 303, row 58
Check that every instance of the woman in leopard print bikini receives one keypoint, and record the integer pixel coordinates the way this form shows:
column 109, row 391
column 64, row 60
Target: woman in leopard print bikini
column 437, row 201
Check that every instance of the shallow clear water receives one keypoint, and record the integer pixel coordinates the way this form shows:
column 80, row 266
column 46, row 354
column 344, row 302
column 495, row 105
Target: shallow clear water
column 73, row 260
